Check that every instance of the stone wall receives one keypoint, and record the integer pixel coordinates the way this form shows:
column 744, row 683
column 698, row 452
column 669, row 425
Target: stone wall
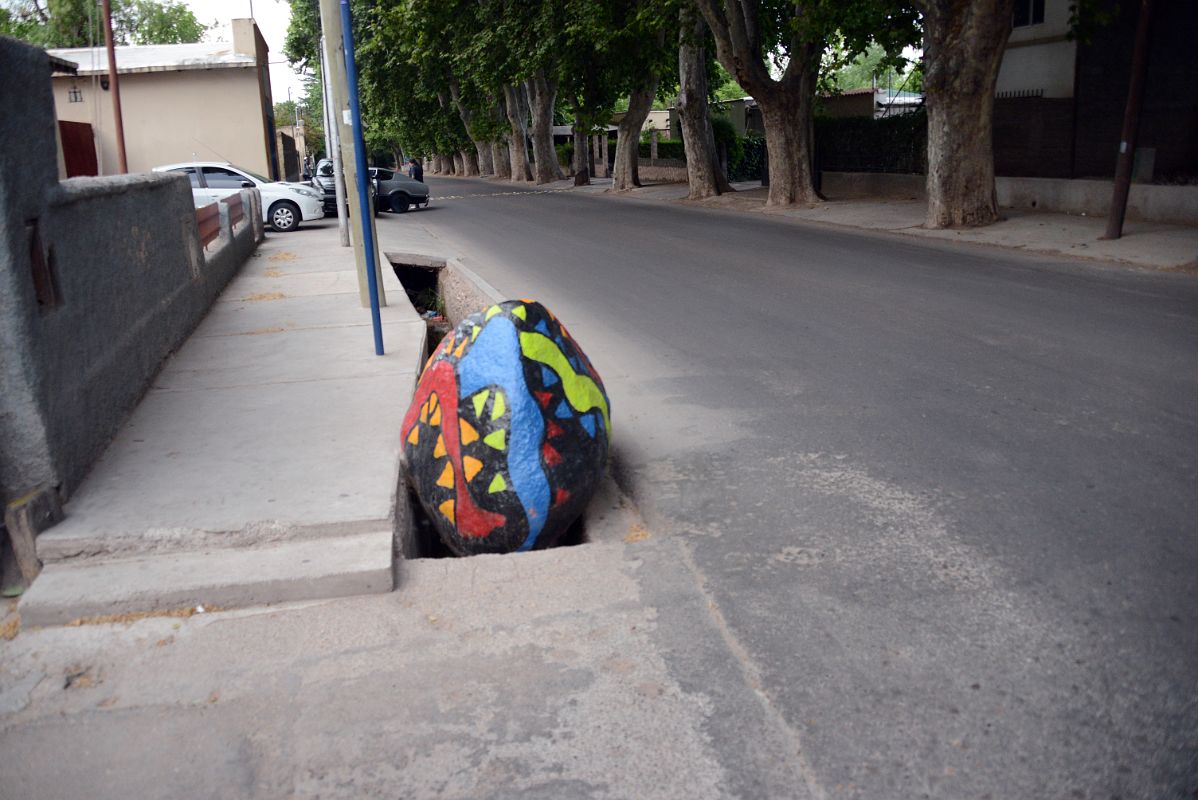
column 100, row 280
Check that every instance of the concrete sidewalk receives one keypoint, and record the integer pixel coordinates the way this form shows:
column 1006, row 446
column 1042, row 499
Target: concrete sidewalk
column 1148, row 245
column 263, row 463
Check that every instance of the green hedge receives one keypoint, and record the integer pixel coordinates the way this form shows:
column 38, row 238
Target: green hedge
column 666, row 148
column 861, row 144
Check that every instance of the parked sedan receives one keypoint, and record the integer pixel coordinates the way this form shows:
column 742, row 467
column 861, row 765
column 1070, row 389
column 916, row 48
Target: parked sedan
column 284, row 205
column 393, row 191
column 398, row 192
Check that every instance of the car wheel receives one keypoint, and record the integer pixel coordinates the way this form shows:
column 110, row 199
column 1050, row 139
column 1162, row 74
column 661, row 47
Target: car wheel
column 284, row 216
column 400, row 202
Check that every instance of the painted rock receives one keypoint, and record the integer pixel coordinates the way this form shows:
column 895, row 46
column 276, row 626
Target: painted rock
column 508, row 431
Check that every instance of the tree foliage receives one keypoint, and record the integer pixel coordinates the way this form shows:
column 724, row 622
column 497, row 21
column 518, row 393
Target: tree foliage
column 78, row 23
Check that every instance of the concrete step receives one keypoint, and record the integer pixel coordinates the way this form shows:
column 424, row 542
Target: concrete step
column 217, row 578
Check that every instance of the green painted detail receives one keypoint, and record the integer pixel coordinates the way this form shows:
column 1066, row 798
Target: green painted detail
column 474, row 332
column 498, row 484
column 492, row 311
column 498, row 407
column 497, row 439
column 480, row 400
column 519, row 311
column 582, row 392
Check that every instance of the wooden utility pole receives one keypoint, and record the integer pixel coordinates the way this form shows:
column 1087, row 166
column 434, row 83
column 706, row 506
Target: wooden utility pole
column 115, row 86
column 330, row 23
column 1131, row 124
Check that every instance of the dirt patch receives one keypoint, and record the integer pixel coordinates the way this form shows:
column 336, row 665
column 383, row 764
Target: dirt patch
column 10, row 627
column 283, row 255
column 637, row 533
column 109, row 619
column 255, row 298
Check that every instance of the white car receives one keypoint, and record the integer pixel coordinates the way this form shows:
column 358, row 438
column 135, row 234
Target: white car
column 284, row 205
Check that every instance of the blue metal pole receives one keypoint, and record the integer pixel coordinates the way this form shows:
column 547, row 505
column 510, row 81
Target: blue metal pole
column 355, row 110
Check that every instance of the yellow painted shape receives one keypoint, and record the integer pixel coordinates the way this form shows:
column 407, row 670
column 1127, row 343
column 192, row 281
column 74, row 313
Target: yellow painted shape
column 461, row 347
column 446, row 479
column 414, row 436
column 498, row 484
column 498, row 407
column 439, row 447
column 471, row 466
column 424, row 412
column 480, row 400
column 469, row 433
column 435, row 417
column 498, row 439
column 519, row 311
column 474, row 332
column 581, row 391
column 446, row 508
column 492, row 311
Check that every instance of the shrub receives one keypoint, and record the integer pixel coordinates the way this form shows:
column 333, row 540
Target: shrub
column 565, row 153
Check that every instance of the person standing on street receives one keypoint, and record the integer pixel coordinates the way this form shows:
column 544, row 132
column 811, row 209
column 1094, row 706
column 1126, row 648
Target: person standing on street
column 415, row 171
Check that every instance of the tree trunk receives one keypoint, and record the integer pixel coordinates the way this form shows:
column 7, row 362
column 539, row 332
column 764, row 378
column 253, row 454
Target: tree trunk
column 580, row 162
column 964, row 42
column 541, row 95
column 704, row 173
column 517, row 114
column 459, row 163
column 485, row 165
column 628, row 138
column 470, row 162
column 499, row 160
column 788, row 122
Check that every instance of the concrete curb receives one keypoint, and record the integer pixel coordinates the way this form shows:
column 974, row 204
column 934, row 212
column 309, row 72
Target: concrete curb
column 227, row 578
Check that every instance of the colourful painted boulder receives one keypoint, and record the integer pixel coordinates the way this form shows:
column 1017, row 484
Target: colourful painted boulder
column 508, row 430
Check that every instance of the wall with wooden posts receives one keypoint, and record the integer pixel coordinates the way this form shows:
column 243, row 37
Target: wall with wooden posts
column 100, row 280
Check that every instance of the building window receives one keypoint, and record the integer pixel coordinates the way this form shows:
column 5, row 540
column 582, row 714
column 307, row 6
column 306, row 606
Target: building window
column 1028, row 12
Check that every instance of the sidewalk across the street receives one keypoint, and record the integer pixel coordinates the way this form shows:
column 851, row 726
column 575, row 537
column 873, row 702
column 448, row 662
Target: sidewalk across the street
column 1147, row 245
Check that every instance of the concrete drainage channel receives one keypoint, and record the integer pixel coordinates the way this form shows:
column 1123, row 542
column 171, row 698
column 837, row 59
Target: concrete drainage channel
column 451, row 292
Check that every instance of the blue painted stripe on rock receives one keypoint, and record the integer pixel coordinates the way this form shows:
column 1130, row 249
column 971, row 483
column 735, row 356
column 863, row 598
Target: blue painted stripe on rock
column 494, row 360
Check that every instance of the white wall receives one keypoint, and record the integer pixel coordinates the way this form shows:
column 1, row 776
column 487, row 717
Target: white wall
column 1040, row 57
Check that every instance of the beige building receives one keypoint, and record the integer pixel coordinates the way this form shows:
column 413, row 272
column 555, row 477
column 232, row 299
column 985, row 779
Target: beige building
column 180, row 102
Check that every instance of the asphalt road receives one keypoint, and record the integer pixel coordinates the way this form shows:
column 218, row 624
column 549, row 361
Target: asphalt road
column 941, row 500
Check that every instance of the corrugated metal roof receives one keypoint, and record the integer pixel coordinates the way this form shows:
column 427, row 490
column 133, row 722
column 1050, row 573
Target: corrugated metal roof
column 156, row 57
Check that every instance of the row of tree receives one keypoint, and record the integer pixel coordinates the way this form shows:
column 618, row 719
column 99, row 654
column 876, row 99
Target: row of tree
column 474, row 83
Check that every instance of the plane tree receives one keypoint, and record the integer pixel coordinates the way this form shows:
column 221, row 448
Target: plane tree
column 964, row 42
column 774, row 49
column 705, row 176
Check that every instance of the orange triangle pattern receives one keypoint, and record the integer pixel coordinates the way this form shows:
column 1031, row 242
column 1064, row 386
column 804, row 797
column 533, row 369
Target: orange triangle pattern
column 471, row 466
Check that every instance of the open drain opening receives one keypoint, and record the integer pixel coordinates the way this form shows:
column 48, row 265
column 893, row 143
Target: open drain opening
column 424, row 542
column 443, row 299
column 421, row 280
